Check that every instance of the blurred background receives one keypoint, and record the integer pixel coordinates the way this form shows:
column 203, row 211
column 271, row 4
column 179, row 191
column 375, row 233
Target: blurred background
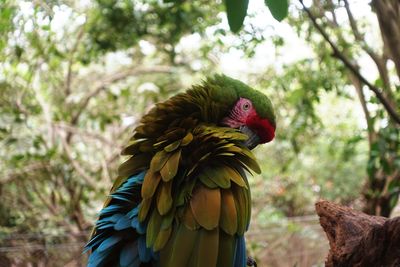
column 76, row 76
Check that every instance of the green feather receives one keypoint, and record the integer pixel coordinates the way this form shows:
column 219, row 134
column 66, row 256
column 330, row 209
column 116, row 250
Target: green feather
column 150, row 183
column 133, row 164
column 228, row 220
column 169, row 170
column 159, row 160
column 153, row 228
column 207, row 181
column 226, row 249
column 164, row 198
column 239, row 195
column 206, row 251
column 162, row 238
column 178, row 250
column 174, row 145
column 219, row 175
column 187, row 139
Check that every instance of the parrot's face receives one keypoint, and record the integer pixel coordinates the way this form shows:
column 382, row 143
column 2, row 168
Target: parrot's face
column 244, row 117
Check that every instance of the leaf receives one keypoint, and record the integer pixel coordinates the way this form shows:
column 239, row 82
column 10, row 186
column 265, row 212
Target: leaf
column 236, row 11
column 278, row 8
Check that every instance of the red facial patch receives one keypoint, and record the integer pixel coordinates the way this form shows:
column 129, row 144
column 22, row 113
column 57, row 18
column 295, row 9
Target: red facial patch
column 262, row 127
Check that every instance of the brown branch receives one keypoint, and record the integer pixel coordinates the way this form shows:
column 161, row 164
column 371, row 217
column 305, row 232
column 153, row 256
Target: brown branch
column 380, row 61
column 359, row 89
column 53, row 209
column 337, row 53
column 388, row 14
column 353, row 237
column 9, row 177
column 74, row 130
column 353, row 23
column 70, row 61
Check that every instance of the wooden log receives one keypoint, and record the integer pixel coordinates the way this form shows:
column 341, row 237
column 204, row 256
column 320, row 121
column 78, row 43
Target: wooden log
column 358, row 239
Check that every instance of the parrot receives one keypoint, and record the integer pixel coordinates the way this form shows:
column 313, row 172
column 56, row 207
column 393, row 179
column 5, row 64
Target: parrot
column 182, row 197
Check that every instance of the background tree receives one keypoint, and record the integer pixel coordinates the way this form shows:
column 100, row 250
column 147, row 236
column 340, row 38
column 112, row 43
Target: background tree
column 379, row 97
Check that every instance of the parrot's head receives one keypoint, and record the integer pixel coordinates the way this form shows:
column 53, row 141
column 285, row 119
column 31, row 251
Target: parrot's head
column 246, row 109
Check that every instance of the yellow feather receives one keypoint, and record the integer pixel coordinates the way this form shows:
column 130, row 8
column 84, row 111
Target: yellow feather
column 153, row 228
column 164, row 198
column 170, row 168
column 206, row 206
column 228, row 220
column 150, row 183
column 174, row 145
column 159, row 160
column 162, row 239
column 187, row 139
column 144, row 208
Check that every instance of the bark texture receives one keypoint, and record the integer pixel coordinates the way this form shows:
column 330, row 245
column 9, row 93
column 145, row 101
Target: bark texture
column 357, row 239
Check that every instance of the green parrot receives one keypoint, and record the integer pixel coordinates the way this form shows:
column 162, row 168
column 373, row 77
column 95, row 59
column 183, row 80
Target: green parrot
column 182, row 198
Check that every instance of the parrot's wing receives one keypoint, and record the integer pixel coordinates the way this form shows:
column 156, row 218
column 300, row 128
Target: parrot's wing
column 196, row 199
column 180, row 200
column 119, row 238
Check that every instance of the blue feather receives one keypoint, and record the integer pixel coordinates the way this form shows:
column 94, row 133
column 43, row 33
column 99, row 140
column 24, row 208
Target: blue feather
column 109, row 242
column 134, row 212
column 144, row 252
column 115, row 218
column 122, row 223
column 97, row 258
column 240, row 252
column 94, row 241
column 140, row 176
column 141, row 228
column 129, row 255
column 121, row 197
column 110, row 209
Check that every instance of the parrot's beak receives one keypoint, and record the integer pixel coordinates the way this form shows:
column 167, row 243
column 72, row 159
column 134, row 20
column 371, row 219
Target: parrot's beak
column 253, row 139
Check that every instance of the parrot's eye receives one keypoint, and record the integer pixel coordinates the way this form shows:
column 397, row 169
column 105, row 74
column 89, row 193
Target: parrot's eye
column 246, row 106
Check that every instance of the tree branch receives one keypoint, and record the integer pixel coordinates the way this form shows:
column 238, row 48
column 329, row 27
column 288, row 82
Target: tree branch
column 388, row 15
column 353, row 237
column 75, row 130
column 380, row 61
column 88, row 179
column 21, row 171
column 68, row 78
column 337, row 53
column 359, row 89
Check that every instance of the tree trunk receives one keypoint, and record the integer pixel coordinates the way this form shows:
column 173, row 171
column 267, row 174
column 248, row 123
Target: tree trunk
column 388, row 13
column 357, row 239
